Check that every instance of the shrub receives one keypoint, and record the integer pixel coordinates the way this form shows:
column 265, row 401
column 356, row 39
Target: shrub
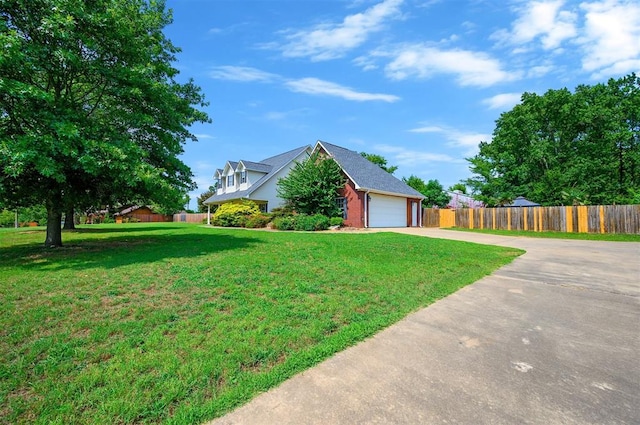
column 310, row 223
column 258, row 221
column 284, row 223
column 234, row 215
column 285, row 211
column 336, row 221
column 7, row 218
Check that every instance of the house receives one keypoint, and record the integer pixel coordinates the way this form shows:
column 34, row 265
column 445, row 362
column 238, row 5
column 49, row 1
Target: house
column 457, row 199
column 521, row 201
column 371, row 196
column 138, row 213
column 255, row 181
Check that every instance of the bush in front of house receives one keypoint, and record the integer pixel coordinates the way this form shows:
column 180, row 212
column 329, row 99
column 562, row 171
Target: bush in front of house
column 311, row 223
column 284, row 223
column 234, row 215
column 284, row 211
column 336, row 221
column 257, row 221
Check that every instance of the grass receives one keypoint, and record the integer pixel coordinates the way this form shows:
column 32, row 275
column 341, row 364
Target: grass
column 173, row 323
column 611, row 237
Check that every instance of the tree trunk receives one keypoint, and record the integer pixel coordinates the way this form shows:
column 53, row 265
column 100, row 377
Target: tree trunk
column 54, row 226
column 69, row 223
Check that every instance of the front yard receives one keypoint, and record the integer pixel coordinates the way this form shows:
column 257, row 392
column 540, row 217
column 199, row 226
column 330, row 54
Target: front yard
column 172, row 323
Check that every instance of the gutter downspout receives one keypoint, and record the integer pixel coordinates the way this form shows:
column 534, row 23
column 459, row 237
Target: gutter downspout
column 366, row 209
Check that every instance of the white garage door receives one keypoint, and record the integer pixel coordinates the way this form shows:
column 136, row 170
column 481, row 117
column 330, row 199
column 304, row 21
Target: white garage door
column 387, row 211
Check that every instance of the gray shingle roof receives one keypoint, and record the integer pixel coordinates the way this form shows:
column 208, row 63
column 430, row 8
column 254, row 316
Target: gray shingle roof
column 275, row 164
column 366, row 175
column 257, row 166
column 521, row 201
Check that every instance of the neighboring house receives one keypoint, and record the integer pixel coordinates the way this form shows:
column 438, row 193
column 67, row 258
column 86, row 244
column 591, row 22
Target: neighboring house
column 457, row 199
column 521, row 201
column 371, row 197
column 142, row 214
column 255, row 181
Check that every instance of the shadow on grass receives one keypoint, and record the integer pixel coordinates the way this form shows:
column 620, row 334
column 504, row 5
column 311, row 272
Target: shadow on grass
column 119, row 251
column 122, row 228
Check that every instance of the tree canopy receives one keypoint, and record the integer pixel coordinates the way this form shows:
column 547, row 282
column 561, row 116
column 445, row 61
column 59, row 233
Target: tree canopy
column 202, row 208
column 565, row 148
column 90, row 109
column 433, row 192
column 312, row 186
column 380, row 161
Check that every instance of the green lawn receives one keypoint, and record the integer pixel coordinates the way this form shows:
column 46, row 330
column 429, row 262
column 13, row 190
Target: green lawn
column 611, row 237
column 173, row 323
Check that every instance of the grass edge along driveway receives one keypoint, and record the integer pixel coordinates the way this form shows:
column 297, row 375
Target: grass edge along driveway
column 172, row 323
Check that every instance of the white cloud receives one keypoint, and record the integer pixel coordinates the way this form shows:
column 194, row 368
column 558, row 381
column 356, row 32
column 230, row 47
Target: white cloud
column 539, row 71
column 611, row 37
column 469, row 141
column 330, row 41
column 408, row 157
column 286, row 115
column 364, row 62
column 540, row 19
column 203, row 136
column 471, row 68
column 503, row 101
column 316, row 86
column 241, row 73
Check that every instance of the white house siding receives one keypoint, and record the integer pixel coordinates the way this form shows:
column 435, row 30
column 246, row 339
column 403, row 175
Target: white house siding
column 253, row 177
column 387, row 211
column 268, row 191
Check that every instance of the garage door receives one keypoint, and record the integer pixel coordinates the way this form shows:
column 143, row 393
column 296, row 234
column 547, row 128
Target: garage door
column 387, row 211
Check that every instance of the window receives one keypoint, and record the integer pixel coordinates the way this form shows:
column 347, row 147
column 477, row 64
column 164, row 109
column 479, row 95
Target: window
column 263, row 208
column 243, row 177
column 341, row 203
column 230, row 182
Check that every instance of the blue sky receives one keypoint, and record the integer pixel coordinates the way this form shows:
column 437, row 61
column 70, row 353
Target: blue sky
column 420, row 82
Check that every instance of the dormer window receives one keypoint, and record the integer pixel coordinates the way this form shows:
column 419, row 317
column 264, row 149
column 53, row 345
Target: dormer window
column 230, row 182
column 243, row 177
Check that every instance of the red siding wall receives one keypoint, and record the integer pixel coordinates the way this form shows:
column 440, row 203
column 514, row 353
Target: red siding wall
column 355, row 205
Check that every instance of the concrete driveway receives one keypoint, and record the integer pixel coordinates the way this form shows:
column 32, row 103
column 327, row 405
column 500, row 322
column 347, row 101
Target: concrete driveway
column 552, row 338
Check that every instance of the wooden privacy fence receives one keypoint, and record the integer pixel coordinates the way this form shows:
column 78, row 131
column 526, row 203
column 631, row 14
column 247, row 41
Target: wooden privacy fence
column 579, row 219
column 190, row 218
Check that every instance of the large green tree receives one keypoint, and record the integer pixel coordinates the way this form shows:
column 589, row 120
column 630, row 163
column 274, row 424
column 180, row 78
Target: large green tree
column 565, row 147
column 380, row 161
column 434, row 194
column 202, row 208
column 91, row 112
column 313, row 185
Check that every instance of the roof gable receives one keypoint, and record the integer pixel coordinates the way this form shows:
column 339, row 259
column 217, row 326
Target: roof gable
column 270, row 166
column 365, row 174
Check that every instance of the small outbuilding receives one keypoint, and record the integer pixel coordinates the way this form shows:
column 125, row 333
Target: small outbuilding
column 521, row 201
